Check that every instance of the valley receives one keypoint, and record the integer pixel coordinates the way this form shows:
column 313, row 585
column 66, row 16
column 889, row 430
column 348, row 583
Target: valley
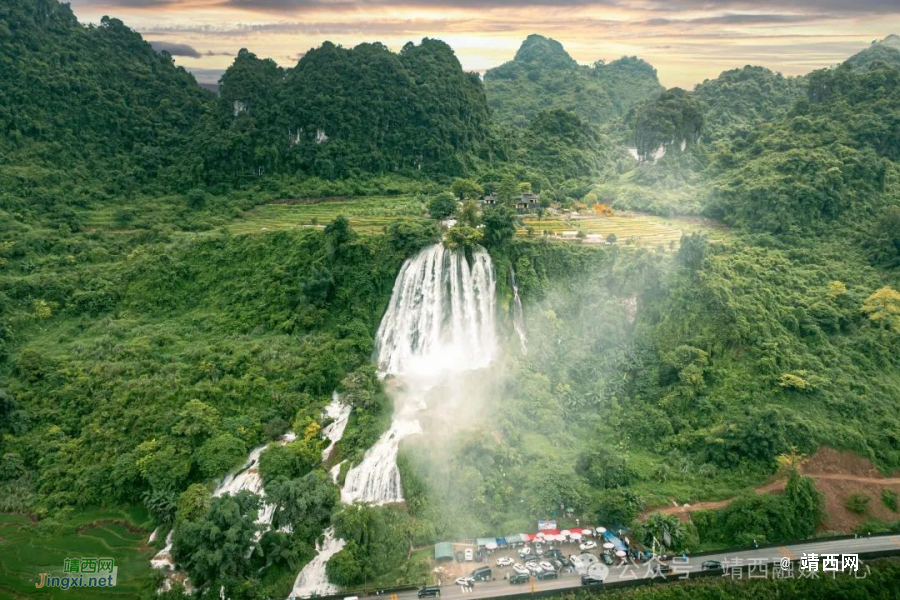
column 285, row 338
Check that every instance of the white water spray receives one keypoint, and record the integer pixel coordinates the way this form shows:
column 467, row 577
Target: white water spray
column 440, row 320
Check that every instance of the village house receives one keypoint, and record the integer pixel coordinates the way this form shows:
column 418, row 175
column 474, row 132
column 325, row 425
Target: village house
column 524, row 203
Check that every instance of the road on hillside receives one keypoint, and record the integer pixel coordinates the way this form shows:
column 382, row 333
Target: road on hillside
column 772, row 557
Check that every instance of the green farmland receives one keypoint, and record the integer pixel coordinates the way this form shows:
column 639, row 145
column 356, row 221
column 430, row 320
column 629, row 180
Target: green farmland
column 373, row 214
column 28, row 549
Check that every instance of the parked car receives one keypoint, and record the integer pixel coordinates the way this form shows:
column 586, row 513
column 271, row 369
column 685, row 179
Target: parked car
column 556, row 564
column 531, row 559
column 429, row 591
column 588, row 545
column 481, row 574
column 523, row 552
column 588, row 580
column 711, row 564
column 547, row 575
column 470, row 555
column 546, row 566
column 504, row 561
column 576, row 561
column 519, row 578
column 555, row 553
column 539, row 549
column 460, row 557
column 465, row 581
column 607, row 559
column 520, row 569
column 534, row 568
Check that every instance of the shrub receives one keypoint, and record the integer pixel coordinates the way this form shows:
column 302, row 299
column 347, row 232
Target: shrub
column 857, row 503
column 889, row 497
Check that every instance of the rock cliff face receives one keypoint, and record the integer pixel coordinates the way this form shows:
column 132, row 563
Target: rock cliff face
column 673, row 121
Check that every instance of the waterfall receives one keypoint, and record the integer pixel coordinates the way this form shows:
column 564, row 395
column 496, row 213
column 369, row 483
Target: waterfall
column 518, row 315
column 312, row 581
column 248, row 478
column 339, row 413
column 440, row 320
column 439, row 323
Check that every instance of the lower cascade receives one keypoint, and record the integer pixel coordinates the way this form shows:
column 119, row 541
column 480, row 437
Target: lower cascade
column 312, row 580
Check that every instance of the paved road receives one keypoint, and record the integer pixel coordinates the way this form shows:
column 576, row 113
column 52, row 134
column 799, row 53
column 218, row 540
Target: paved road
column 768, row 556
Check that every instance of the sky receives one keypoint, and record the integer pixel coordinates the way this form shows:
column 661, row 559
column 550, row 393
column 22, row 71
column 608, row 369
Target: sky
column 687, row 41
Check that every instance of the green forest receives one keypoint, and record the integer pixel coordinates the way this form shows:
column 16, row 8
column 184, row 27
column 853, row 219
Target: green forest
column 146, row 350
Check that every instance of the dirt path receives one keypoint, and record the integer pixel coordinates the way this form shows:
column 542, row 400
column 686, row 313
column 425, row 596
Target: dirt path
column 774, row 486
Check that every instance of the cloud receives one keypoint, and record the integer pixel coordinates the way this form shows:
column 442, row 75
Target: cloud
column 175, row 49
column 739, row 19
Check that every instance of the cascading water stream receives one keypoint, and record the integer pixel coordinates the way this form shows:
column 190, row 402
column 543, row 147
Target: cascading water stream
column 518, row 315
column 440, row 321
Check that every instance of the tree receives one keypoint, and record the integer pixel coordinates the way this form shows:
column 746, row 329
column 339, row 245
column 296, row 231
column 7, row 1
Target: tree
column 305, row 503
column 467, row 189
column 196, row 421
column 883, row 308
column 338, row 233
column 666, row 529
column 193, row 503
column 218, row 455
column 611, row 238
column 213, row 549
column 468, row 215
column 408, row 236
column 499, row 225
column 290, row 461
column 442, row 206
column 507, row 189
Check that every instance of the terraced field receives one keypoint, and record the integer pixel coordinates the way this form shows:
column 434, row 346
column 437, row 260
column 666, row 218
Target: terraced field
column 369, row 214
column 28, row 549
column 374, row 214
column 629, row 228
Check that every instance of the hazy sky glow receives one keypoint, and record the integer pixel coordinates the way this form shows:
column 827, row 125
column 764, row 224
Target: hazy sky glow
column 686, row 40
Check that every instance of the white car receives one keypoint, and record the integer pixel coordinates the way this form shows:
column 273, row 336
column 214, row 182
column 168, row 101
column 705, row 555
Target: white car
column 521, row 569
column 470, row 555
column 465, row 581
column 538, row 549
column 589, row 545
column 534, row 567
column 546, row 566
column 526, row 551
column 504, row 561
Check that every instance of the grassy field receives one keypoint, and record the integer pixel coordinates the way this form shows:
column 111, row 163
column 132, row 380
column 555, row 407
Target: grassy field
column 629, row 228
column 373, row 214
column 28, row 549
column 370, row 214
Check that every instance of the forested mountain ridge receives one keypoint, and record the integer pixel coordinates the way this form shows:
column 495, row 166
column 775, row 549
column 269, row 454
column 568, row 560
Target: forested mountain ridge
column 342, row 111
column 101, row 95
column 741, row 99
column 543, row 76
column 886, row 50
column 831, row 161
column 98, row 96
